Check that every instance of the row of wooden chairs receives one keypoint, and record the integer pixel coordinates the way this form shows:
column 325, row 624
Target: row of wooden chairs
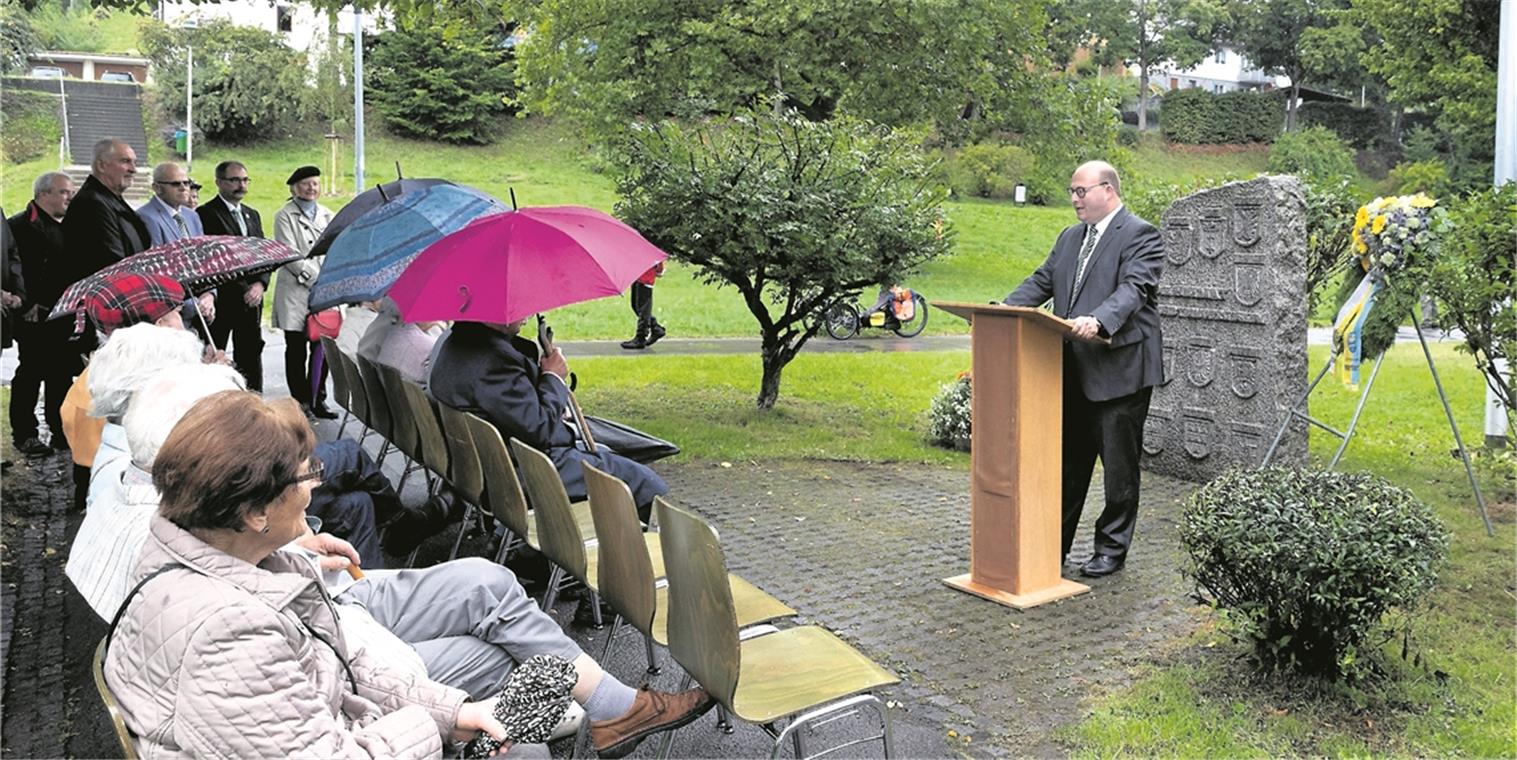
column 672, row 587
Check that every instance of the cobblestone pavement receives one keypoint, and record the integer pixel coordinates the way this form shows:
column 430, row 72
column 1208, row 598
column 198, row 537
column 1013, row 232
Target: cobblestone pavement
column 858, row 548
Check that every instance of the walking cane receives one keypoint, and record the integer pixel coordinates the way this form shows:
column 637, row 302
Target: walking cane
column 545, row 340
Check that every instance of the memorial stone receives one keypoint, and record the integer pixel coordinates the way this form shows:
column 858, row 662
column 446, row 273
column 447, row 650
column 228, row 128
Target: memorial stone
column 1233, row 305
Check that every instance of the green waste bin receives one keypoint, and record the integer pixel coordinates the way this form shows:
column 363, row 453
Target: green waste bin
column 181, row 141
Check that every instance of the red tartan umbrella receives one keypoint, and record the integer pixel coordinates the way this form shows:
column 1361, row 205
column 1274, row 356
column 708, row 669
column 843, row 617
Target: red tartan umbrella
column 197, row 263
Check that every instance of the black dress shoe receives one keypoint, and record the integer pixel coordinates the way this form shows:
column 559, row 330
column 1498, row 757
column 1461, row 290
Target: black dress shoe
column 635, row 344
column 320, row 409
column 655, row 334
column 1101, row 564
column 34, row 447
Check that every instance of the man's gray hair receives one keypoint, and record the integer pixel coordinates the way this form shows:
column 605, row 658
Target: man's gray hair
column 105, row 148
column 129, row 357
column 44, row 183
column 164, row 398
column 162, row 171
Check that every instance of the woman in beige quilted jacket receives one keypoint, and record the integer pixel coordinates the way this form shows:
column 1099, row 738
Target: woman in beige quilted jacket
column 231, row 648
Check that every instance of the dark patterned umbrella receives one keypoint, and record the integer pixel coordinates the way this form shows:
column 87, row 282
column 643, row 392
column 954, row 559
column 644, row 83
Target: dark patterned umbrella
column 364, row 203
column 197, row 263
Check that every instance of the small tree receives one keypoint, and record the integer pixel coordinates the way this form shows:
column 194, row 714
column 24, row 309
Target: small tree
column 794, row 214
column 248, row 85
column 443, row 78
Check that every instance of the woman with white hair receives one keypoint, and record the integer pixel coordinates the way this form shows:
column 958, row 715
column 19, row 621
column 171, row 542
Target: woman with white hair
column 122, row 498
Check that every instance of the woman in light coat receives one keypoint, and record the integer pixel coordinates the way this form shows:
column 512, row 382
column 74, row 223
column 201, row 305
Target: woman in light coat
column 298, row 224
column 230, row 647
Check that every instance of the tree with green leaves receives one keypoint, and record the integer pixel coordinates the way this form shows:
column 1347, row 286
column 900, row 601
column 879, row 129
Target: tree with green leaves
column 891, row 61
column 248, row 85
column 1143, row 33
column 792, row 213
column 1290, row 38
column 1440, row 55
column 443, row 78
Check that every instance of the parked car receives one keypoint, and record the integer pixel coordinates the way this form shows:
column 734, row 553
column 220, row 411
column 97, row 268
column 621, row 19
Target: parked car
column 117, row 76
column 48, row 72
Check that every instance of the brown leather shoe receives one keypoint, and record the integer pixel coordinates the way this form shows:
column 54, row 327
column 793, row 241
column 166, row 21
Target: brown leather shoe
column 651, row 712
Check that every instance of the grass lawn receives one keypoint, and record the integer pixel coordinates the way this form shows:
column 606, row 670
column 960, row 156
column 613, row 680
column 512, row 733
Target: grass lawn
column 1203, row 701
column 1155, row 163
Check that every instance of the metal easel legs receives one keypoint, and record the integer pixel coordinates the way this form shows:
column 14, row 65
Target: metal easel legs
column 1295, row 412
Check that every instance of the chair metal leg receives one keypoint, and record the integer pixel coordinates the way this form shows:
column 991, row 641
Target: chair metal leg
column 551, row 594
column 595, row 611
column 666, row 745
column 653, row 668
column 411, row 558
column 463, row 527
column 833, row 712
column 341, row 426
column 616, row 625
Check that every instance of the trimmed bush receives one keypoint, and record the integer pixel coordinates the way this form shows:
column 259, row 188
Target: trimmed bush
column 1304, row 564
column 1198, row 117
column 988, row 170
column 1359, row 127
column 949, row 416
column 432, row 83
column 1314, row 154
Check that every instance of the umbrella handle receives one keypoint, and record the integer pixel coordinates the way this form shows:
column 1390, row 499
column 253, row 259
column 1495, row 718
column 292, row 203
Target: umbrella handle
column 204, row 325
column 579, row 419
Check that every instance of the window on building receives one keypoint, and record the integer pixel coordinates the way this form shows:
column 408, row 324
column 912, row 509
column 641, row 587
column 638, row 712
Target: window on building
column 1216, row 88
column 1221, row 56
column 284, row 18
column 1190, row 83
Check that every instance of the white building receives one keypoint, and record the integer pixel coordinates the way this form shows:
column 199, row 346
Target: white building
column 301, row 26
column 1224, row 70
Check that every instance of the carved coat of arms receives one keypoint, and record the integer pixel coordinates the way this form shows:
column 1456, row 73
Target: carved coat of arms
column 1248, row 282
column 1247, row 220
column 1243, row 370
column 1212, row 238
column 1179, row 240
column 1155, row 430
column 1197, row 431
column 1200, row 361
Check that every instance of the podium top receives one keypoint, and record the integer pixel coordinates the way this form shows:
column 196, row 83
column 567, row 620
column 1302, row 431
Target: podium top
column 1039, row 317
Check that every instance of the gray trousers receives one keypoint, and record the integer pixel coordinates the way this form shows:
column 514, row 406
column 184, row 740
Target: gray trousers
column 469, row 619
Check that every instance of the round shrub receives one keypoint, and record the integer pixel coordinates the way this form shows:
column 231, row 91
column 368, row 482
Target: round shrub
column 988, row 170
column 1431, row 177
column 1304, row 563
column 1314, row 154
column 949, row 415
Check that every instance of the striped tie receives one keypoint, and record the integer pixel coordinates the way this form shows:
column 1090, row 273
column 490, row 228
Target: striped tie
column 184, row 229
column 1085, row 250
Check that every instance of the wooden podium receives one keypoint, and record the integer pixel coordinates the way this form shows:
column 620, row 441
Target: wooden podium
column 1016, row 451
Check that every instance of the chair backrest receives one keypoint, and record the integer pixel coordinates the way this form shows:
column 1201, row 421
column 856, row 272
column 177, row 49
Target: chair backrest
column 123, row 734
column 403, row 421
column 378, row 401
column 329, row 353
column 502, row 488
column 625, row 576
column 702, row 619
column 424, row 417
column 357, row 396
column 463, row 460
column 558, row 536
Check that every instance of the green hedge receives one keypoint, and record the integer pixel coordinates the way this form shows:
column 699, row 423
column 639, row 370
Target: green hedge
column 1198, row 117
column 32, row 127
column 1360, row 127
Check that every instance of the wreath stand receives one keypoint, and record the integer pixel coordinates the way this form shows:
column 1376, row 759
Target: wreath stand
column 1295, row 412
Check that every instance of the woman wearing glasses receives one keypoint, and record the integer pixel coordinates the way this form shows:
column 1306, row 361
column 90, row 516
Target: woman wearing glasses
column 229, row 647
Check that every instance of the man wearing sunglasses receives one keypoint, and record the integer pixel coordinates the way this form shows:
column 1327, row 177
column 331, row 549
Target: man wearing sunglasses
column 167, row 214
column 1103, row 276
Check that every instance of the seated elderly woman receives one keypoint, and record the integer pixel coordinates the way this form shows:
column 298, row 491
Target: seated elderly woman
column 230, row 647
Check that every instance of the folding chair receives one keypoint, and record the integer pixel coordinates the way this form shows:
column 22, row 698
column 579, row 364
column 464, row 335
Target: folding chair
column 504, row 497
column 627, row 580
column 404, row 426
column 123, row 734
column 378, row 404
column 794, row 673
column 464, row 472
column 340, row 386
column 358, row 396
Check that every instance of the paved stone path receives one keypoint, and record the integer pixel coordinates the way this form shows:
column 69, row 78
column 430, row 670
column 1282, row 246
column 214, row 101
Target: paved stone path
column 857, row 548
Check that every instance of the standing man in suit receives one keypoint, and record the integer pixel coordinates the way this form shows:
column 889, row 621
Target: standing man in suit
column 45, row 359
column 167, row 214
column 1103, row 275
column 239, row 305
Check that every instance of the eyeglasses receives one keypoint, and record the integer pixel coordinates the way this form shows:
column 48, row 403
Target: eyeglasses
column 1079, row 192
column 315, row 473
column 180, row 183
column 236, row 180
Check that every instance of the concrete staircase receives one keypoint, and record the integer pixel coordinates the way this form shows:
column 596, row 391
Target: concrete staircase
column 96, row 110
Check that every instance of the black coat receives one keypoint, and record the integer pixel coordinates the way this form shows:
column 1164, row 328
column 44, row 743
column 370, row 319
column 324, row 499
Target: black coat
column 217, row 219
column 1121, row 291
column 481, row 370
column 11, row 280
column 39, row 244
column 99, row 230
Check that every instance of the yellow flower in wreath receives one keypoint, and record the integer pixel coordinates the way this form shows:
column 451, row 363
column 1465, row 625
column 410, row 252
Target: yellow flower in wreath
column 1379, row 224
column 1423, row 200
column 1362, row 218
column 1359, row 244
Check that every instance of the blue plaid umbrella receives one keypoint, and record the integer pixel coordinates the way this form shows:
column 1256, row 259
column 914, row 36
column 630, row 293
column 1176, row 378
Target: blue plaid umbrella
column 367, row 258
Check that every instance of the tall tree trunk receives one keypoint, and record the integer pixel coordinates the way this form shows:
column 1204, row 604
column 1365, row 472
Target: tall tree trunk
column 1142, row 97
column 776, row 354
column 1290, row 108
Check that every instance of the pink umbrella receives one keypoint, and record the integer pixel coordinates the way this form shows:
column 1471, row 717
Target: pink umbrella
column 509, row 266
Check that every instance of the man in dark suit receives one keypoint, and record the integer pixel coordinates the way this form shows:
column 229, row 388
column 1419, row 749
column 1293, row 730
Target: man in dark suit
column 239, row 305
column 100, row 228
column 1103, row 274
column 492, row 371
column 45, row 357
